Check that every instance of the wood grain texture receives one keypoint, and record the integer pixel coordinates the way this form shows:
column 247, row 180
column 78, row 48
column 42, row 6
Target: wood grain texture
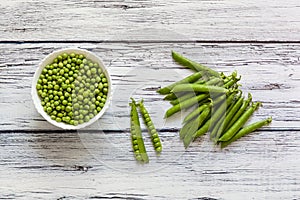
column 259, row 39
column 269, row 71
column 155, row 20
column 92, row 165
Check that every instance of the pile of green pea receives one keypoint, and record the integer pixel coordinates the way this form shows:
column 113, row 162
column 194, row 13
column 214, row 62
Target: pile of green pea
column 72, row 89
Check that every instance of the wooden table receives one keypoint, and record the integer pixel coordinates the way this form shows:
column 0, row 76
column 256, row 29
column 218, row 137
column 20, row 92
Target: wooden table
column 259, row 39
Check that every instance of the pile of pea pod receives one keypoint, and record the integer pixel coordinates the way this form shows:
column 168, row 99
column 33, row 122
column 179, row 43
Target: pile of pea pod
column 217, row 104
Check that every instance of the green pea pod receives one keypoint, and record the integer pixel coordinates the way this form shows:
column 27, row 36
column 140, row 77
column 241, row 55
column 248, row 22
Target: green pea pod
column 231, row 111
column 198, row 110
column 239, row 112
column 239, row 123
column 246, row 130
column 213, row 81
column 231, row 82
column 186, row 104
column 170, row 96
column 219, row 113
column 198, row 88
column 192, row 132
column 190, row 79
column 182, row 98
column 200, row 81
column 236, row 106
column 194, row 113
column 151, row 128
column 136, row 133
column 192, row 123
column 219, row 123
column 193, row 65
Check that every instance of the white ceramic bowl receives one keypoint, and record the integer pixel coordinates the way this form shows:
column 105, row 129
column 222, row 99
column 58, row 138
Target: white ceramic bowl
column 48, row 60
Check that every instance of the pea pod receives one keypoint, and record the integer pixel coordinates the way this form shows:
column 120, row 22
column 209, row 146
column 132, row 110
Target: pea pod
column 239, row 112
column 150, row 126
column 246, row 130
column 200, row 81
column 198, row 88
column 190, row 79
column 185, row 104
column 214, row 81
column 218, row 127
column 182, row 98
column 239, row 123
column 193, row 123
column 190, row 134
column 204, row 129
column 170, row 96
column 194, row 113
column 233, row 110
column 219, row 113
column 223, row 123
column 136, row 135
column 193, row 65
column 231, row 82
column 198, row 110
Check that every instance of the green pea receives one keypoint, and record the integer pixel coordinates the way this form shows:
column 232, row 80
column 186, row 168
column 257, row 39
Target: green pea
column 87, row 118
column 134, row 142
column 105, row 90
column 44, row 94
column 86, row 101
column 157, row 144
column 155, row 140
column 49, row 109
column 103, row 100
column 91, row 115
column 158, row 149
column 93, row 70
column 80, row 97
column 68, row 108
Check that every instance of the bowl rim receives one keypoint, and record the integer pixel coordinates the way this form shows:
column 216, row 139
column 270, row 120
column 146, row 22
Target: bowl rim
column 48, row 60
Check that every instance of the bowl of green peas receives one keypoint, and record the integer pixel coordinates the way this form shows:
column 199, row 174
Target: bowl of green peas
column 71, row 88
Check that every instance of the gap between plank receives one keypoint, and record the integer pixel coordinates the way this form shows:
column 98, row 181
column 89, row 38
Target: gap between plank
column 120, row 131
column 152, row 41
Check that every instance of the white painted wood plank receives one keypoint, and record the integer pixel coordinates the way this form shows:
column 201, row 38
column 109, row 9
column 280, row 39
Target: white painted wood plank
column 270, row 72
column 263, row 165
column 150, row 20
